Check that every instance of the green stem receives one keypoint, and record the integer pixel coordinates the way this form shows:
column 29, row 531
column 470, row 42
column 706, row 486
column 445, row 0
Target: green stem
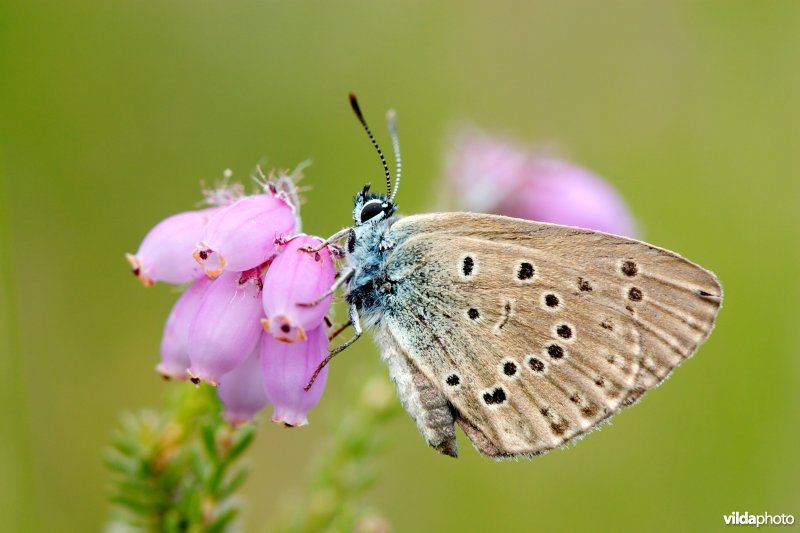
column 17, row 491
column 177, row 470
column 346, row 469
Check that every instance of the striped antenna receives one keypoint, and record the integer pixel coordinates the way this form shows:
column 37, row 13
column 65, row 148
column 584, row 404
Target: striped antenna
column 357, row 111
column 391, row 119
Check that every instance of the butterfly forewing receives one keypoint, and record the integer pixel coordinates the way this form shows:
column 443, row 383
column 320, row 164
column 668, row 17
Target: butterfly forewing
column 536, row 333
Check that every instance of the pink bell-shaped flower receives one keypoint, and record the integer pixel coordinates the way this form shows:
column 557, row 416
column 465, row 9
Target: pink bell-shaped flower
column 227, row 327
column 242, row 235
column 242, row 389
column 562, row 193
column 491, row 175
column 175, row 341
column 287, row 369
column 482, row 170
column 294, row 278
column 166, row 251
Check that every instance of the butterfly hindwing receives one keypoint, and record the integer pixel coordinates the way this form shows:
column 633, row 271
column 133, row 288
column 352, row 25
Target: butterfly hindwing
column 536, row 333
column 421, row 398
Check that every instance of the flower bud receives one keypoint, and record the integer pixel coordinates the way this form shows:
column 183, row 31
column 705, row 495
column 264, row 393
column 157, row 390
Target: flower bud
column 166, row 251
column 242, row 235
column 287, row 369
column 297, row 277
column 175, row 341
column 226, row 328
column 242, row 389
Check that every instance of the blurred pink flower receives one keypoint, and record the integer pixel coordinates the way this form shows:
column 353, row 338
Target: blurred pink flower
column 297, row 277
column 166, row 251
column 175, row 341
column 287, row 369
column 226, row 327
column 482, row 170
column 242, row 235
column 489, row 175
column 242, row 389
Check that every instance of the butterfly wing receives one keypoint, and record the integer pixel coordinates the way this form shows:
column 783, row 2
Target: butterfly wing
column 536, row 333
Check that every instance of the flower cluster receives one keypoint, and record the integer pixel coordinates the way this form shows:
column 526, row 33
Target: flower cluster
column 490, row 175
column 241, row 324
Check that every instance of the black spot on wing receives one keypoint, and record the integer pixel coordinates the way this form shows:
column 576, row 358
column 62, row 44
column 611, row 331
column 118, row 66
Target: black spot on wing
column 536, row 364
column 635, row 294
column 525, row 271
column 629, row 268
column 564, row 331
column 555, row 351
column 494, row 397
column 468, row 265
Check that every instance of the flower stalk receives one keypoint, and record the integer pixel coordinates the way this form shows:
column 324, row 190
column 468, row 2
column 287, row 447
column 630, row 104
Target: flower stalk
column 343, row 473
column 178, row 469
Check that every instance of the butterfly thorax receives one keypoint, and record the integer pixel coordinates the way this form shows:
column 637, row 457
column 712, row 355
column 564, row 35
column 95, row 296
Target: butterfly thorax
column 367, row 253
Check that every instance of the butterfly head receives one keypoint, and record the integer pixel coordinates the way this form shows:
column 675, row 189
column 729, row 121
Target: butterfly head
column 370, row 208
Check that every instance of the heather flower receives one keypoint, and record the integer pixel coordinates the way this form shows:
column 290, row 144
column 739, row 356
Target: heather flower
column 495, row 176
column 482, row 170
column 243, row 235
column 294, row 278
column 242, row 389
column 214, row 332
column 226, row 327
column 166, row 251
column 287, row 368
column 175, row 341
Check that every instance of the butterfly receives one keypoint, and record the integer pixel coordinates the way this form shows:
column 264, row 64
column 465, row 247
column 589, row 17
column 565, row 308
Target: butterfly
column 526, row 335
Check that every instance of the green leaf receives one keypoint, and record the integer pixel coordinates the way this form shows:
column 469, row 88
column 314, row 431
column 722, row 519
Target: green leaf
column 120, row 464
column 209, row 440
column 223, row 520
column 234, row 483
column 242, row 439
column 215, row 478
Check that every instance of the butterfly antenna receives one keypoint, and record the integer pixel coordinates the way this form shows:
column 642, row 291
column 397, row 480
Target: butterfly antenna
column 391, row 119
column 357, row 111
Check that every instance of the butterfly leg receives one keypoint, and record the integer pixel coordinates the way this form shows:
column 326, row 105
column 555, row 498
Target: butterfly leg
column 339, row 330
column 354, row 319
column 353, row 312
column 343, row 277
column 336, row 237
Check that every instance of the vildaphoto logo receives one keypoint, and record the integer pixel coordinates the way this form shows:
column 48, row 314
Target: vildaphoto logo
column 765, row 519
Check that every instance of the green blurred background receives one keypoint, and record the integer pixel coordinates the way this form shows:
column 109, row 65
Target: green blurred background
column 113, row 112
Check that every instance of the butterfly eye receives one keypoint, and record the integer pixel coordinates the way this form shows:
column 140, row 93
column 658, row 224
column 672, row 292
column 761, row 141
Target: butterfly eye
column 371, row 209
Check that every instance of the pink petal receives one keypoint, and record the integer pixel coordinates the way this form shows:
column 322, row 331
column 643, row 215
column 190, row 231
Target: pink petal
column 563, row 193
column 287, row 368
column 242, row 390
column 297, row 277
column 166, row 251
column 482, row 170
column 174, row 343
column 242, row 235
column 493, row 175
column 227, row 327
